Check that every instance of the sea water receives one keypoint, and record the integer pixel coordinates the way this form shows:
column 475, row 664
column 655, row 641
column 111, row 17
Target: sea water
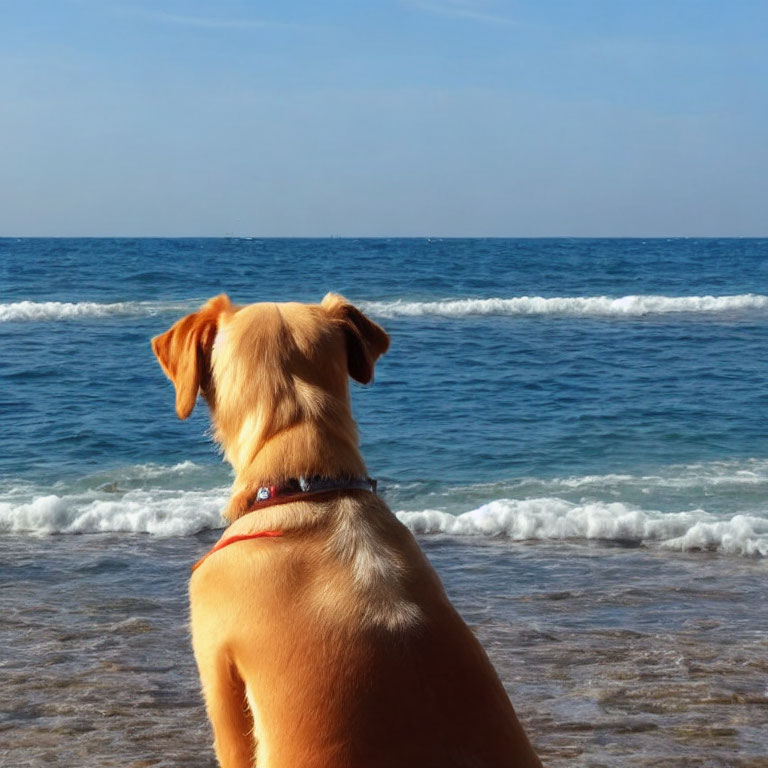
column 575, row 430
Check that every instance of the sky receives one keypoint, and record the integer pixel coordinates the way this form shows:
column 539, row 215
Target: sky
column 529, row 118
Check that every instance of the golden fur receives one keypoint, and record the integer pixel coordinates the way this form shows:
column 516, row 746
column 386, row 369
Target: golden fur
column 334, row 645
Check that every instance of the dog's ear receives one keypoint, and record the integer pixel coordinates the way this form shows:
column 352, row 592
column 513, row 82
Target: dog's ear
column 366, row 341
column 184, row 351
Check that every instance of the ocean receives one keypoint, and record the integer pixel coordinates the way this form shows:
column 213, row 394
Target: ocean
column 574, row 429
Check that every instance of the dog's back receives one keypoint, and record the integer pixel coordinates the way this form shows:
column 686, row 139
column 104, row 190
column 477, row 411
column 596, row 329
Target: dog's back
column 323, row 637
column 349, row 651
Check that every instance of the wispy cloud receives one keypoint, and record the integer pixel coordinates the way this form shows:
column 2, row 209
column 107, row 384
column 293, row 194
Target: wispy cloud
column 465, row 9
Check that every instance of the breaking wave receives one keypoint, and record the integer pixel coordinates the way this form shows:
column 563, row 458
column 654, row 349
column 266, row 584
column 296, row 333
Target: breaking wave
column 183, row 513
column 47, row 311
column 553, row 519
column 717, row 506
column 598, row 306
column 162, row 500
column 157, row 512
column 574, row 306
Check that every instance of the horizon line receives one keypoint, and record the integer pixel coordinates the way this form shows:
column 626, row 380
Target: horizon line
column 383, row 237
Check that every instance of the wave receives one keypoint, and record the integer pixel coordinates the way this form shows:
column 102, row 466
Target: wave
column 154, row 476
column 157, row 512
column 579, row 306
column 176, row 513
column 574, row 306
column 167, row 513
column 715, row 506
column 162, row 500
column 46, row 311
column 736, row 476
column 553, row 519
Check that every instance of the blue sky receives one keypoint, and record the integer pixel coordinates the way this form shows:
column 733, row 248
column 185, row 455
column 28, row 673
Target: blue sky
column 407, row 117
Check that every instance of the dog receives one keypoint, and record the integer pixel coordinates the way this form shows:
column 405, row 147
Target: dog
column 322, row 635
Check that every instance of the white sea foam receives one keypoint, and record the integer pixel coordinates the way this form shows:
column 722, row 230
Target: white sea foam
column 714, row 506
column 548, row 519
column 183, row 513
column 46, row 311
column 600, row 306
column 576, row 306
column 157, row 512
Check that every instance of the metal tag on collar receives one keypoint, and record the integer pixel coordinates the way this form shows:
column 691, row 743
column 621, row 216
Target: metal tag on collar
column 262, row 494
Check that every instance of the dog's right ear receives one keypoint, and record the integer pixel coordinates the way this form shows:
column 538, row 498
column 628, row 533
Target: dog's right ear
column 183, row 351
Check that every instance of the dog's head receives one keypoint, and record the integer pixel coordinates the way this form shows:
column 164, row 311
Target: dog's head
column 272, row 363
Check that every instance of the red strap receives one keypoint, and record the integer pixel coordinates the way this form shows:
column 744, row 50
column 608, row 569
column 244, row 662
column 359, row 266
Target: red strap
column 221, row 543
column 286, row 499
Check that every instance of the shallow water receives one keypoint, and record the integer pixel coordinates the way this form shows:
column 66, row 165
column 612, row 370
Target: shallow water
column 611, row 656
column 575, row 429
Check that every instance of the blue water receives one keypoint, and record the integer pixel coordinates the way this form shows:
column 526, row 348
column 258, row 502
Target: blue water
column 585, row 461
column 466, row 398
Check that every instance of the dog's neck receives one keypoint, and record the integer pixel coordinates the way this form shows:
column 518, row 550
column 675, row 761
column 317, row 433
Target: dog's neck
column 326, row 448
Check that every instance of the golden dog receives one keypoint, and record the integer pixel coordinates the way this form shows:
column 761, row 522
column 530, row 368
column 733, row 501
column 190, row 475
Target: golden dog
column 323, row 637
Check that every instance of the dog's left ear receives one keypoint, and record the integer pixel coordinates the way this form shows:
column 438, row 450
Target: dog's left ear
column 366, row 341
column 184, row 351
